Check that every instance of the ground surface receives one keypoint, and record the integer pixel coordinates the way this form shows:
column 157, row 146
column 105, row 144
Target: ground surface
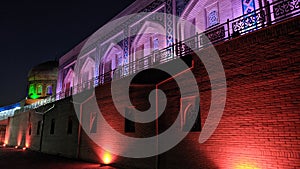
column 11, row 158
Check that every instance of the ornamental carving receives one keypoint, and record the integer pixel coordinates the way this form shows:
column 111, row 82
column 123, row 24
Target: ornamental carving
column 285, row 7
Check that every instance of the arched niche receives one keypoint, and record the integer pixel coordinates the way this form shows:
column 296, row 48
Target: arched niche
column 68, row 82
column 151, row 36
column 112, row 58
column 207, row 14
column 87, row 72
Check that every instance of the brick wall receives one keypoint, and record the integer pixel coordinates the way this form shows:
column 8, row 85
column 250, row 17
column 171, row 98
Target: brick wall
column 261, row 118
column 89, row 150
column 260, row 122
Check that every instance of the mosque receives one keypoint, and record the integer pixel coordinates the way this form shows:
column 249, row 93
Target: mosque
column 172, row 84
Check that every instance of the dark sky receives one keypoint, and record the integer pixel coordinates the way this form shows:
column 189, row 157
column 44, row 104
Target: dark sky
column 32, row 32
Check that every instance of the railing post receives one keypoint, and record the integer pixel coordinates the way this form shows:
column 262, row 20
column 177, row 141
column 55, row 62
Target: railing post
column 180, row 48
column 197, row 41
column 228, row 29
column 268, row 13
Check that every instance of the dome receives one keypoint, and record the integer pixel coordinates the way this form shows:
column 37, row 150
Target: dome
column 44, row 71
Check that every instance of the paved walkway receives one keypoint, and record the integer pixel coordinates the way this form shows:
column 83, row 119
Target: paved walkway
column 11, row 158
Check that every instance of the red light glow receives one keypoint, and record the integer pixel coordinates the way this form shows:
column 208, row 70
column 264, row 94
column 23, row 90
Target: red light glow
column 16, row 146
column 107, row 158
column 24, row 148
column 246, row 166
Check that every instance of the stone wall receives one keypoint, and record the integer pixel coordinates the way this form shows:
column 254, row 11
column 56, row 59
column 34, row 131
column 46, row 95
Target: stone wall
column 63, row 139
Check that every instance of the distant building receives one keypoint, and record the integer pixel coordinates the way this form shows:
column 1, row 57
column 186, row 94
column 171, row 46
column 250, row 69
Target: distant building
column 42, row 81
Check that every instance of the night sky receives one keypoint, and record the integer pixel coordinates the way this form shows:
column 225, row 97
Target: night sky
column 32, row 32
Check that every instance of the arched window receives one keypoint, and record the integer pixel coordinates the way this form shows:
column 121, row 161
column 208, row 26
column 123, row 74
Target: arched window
column 155, row 43
column 31, row 90
column 49, row 90
column 39, row 89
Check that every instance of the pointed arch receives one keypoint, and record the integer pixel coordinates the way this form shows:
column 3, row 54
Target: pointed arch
column 87, row 72
column 68, row 82
column 151, row 36
column 112, row 58
column 206, row 14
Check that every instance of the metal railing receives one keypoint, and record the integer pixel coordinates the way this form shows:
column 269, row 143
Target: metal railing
column 260, row 18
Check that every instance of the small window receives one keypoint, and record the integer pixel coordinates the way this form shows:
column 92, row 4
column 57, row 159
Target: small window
column 31, row 90
column 49, row 90
column 93, row 122
column 38, row 127
column 129, row 125
column 190, row 114
column 39, row 89
column 155, row 44
column 70, row 125
column 29, row 129
column 52, row 126
column 213, row 18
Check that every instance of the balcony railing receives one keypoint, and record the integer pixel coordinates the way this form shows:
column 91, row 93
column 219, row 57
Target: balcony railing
column 260, row 18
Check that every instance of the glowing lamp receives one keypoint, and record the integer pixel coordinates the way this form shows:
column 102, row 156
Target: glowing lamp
column 24, row 148
column 4, row 145
column 107, row 158
column 16, row 146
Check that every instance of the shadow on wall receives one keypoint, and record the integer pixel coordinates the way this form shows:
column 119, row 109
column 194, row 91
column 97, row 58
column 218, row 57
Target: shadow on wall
column 186, row 155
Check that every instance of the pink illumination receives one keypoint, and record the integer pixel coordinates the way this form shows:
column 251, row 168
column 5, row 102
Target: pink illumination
column 24, row 148
column 16, row 147
column 4, row 145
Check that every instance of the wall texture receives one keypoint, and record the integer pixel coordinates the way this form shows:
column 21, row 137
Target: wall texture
column 261, row 118
column 60, row 141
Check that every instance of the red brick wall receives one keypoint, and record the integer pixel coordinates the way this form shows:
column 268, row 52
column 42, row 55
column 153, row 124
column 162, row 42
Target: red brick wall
column 260, row 124
column 89, row 150
column 261, row 120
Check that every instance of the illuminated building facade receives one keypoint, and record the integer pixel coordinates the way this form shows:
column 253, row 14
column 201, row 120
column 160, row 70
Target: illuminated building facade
column 257, row 42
